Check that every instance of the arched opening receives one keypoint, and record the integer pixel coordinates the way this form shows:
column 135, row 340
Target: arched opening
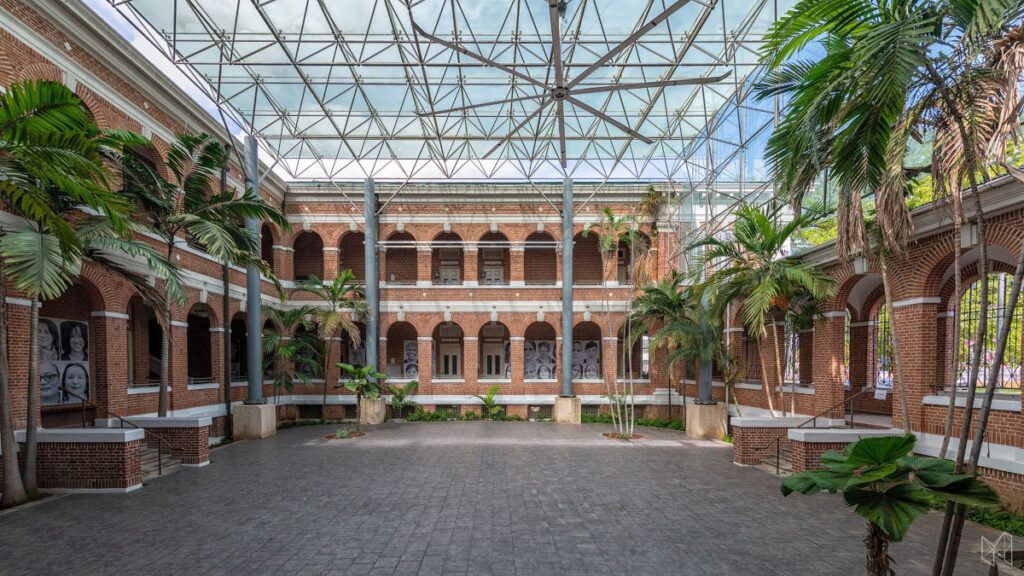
column 200, row 347
column 632, row 362
column 66, row 327
column 586, row 351
column 448, row 351
column 403, row 352
column 145, row 344
column 239, row 346
column 267, row 247
column 1007, row 375
column 881, row 348
column 540, row 353
column 400, row 262
column 308, row 256
column 494, row 357
column 309, row 363
column 493, row 259
column 540, row 259
column 751, row 355
column 446, row 259
column 635, row 258
column 351, row 351
column 587, row 267
column 352, row 255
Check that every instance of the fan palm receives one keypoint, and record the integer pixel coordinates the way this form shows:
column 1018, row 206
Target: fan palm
column 400, row 398
column 342, row 299
column 51, row 161
column 750, row 268
column 185, row 206
column 889, row 487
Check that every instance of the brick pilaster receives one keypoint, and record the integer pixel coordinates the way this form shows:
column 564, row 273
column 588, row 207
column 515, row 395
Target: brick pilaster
column 829, row 363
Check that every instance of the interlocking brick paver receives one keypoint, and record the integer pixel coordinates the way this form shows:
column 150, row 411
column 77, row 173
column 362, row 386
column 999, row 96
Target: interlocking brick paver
column 458, row 498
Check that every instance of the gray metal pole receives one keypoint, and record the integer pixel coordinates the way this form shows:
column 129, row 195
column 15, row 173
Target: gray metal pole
column 370, row 256
column 254, row 316
column 567, row 287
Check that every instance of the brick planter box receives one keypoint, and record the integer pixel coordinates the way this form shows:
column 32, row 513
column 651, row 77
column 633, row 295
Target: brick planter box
column 754, row 438
column 809, row 444
column 88, row 459
column 188, row 438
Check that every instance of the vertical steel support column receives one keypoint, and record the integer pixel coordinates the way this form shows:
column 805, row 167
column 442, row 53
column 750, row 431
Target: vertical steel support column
column 372, row 295
column 567, row 287
column 254, row 320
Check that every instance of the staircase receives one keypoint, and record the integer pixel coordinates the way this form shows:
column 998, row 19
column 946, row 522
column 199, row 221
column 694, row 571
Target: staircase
column 154, row 464
column 785, row 462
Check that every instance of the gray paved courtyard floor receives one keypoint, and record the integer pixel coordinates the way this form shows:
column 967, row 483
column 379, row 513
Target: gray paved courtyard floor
column 457, row 498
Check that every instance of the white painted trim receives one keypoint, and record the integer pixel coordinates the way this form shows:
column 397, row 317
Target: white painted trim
column 106, row 314
column 425, row 338
column 200, row 465
column 284, row 248
column 779, row 422
column 146, row 390
column 216, row 329
column 84, row 435
column 540, row 381
column 209, row 386
column 436, row 380
column 863, row 324
column 470, row 338
column 994, row 456
column 961, row 402
column 20, row 302
column 517, row 338
column 179, row 324
column 915, row 301
column 167, row 422
column 835, row 314
column 817, row 436
column 731, row 330
column 493, row 380
column 91, row 490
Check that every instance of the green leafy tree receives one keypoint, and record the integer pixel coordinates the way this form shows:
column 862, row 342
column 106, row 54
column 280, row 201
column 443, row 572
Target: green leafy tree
column 342, row 298
column 889, row 487
column 400, row 397
column 186, row 208
column 490, row 404
column 287, row 343
column 750, row 268
column 365, row 382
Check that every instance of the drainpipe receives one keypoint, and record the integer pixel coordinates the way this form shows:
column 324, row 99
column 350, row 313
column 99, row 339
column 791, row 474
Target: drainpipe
column 254, row 320
column 567, row 287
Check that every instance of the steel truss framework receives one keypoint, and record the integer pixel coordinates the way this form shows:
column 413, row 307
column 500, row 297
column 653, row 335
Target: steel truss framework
column 396, row 90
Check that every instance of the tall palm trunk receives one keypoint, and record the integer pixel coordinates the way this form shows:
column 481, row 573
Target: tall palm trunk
column 764, row 376
column 28, row 477
column 779, row 373
column 359, row 415
column 165, row 348
column 226, row 306
column 327, row 366
column 897, row 358
column 611, row 388
column 955, row 361
column 12, row 491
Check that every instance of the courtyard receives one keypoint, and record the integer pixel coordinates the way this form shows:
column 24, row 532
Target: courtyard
column 458, row 498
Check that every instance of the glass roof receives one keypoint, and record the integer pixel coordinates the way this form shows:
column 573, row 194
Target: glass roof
column 408, row 90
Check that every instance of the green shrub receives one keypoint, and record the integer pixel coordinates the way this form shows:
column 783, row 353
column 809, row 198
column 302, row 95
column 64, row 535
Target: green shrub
column 306, row 422
column 421, row 416
column 1002, row 520
column 606, row 418
column 470, row 416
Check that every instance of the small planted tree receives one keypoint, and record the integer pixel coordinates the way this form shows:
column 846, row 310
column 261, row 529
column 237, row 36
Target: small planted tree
column 490, row 404
column 890, row 488
column 400, row 398
column 364, row 381
column 287, row 359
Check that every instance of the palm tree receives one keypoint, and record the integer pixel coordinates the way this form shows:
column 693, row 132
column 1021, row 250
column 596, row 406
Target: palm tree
column 184, row 207
column 657, row 306
column 750, row 267
column 51, row 158
column 365, row 382
column 341, row 299
column 286, row 347
column 889, row 487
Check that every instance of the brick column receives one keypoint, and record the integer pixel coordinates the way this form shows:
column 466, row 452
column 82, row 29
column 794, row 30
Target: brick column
column 284, row 262
column 516, row 364
column 608, row 358
column 915, row 324
column 806, row 343
column 425, row 358
column 610, row 261
column 178, row 361
column 517, row 265
column 382, row 264
column 829, row 349
column 108, row 365
column 470, row 265
column 424, row 277
column 330, row 263
column 470, row 360
column 217, row 355
column 558, row 266
column 17, row 342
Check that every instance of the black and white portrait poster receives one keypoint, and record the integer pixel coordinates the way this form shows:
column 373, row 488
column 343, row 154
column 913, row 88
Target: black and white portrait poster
column 539, row 359
column 63, row 361
column 586, row 359
column 410, row 359
column 356, row 354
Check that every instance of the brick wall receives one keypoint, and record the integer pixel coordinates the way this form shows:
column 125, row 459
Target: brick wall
column 752, row 444
column 89, row 465
column 807, row 455
column 190, row 445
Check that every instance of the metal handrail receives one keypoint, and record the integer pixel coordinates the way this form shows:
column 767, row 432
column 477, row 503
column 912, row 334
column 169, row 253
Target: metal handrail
column 159, row 448
column 778, row 439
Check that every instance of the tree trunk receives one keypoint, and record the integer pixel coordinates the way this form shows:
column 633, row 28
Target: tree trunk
column 28, row 475
column 165, row 346
column 613, row 390
column 359, row 415
column 956, row 524
column 877, row 544
column 955, row 362
column 12, row 491
column 327, row 364
column 897, row 359
column 764, row 379
column 779, row 373
column 226, row 306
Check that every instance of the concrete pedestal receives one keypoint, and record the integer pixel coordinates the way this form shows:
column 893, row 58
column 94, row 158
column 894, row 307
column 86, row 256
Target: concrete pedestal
column 371, row 411
column 253, row 421
column 568, row 410
column 706, row 421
